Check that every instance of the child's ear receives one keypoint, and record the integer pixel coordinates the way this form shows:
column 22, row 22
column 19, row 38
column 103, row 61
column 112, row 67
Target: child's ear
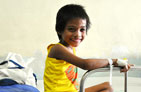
column 59, row 33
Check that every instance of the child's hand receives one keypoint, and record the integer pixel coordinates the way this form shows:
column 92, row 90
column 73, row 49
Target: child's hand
column 124, row 63
column 126, row 68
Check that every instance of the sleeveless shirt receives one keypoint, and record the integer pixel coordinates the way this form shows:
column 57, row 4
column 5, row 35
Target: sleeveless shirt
column 59, row 75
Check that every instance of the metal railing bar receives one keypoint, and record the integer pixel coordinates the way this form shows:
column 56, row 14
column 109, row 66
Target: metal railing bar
column 106, row 69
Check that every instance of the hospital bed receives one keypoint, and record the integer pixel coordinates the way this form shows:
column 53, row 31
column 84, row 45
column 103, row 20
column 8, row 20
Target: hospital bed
column 88, row 73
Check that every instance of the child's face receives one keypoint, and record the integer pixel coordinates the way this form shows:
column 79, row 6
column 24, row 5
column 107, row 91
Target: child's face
column 74, row 32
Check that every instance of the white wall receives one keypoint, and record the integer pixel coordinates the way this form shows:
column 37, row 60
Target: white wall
column 28, row 26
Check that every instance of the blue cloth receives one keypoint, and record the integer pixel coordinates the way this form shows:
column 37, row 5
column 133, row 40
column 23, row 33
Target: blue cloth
column 18, row 88
column 7, row 82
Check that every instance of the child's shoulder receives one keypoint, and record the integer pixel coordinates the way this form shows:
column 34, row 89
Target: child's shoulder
column 55, row 46
column 55, row 50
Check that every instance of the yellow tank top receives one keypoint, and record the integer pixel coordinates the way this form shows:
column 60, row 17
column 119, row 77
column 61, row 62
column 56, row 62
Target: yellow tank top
column 59, row 75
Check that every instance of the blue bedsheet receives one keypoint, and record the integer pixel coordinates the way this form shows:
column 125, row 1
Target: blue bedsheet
column 18, row 88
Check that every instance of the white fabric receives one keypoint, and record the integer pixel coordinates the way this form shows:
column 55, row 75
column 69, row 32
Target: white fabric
column 122, row 62
column 111, row 70
column 22, row 76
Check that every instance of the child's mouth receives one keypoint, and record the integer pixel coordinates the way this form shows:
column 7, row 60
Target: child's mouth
column 76, row 40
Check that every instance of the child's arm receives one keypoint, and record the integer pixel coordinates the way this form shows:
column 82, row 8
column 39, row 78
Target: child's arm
column 62, row 53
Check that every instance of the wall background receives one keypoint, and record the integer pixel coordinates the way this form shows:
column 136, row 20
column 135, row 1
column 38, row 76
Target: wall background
column 28, row 26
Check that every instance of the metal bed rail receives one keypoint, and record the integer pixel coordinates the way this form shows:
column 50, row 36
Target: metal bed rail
column 88, row 73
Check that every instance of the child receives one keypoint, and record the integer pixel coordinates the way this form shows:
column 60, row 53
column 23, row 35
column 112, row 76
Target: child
column 72, row 24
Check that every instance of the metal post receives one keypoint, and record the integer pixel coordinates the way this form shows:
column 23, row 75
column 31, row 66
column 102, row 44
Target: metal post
column 125, row 81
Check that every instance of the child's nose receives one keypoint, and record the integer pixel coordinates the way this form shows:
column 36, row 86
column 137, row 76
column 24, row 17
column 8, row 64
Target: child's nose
column 78, row 33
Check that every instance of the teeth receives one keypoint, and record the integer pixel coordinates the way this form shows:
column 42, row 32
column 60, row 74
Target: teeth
column 77, row 40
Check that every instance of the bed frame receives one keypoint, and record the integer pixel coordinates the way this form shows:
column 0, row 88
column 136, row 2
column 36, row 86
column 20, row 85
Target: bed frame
column 88, row 73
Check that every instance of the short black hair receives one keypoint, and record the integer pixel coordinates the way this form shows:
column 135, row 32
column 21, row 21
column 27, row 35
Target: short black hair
column 69, row 12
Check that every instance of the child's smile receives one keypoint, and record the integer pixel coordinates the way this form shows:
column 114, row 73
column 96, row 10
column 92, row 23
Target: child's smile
column 74, row 32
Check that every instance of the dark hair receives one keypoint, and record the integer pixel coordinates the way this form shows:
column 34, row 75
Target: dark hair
column 68, row 12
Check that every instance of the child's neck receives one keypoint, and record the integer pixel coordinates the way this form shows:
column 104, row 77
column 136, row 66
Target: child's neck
column 70, row 48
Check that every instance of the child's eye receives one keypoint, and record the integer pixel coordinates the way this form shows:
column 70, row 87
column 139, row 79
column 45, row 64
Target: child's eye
column 83, row 29
column 71, row 29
